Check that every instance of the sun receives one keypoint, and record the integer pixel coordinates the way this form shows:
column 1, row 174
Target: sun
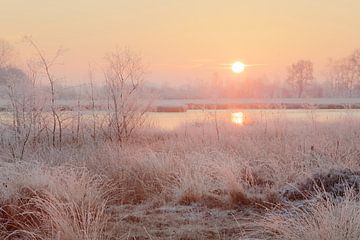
column 238, row 67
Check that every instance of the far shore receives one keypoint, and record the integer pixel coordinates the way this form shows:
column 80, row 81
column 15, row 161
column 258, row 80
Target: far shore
column 183, row 105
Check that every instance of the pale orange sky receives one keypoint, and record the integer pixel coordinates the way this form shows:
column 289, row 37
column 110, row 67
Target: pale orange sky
column 187, row 40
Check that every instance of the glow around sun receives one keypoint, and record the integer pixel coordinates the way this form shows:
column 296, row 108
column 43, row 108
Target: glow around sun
column 238, row 67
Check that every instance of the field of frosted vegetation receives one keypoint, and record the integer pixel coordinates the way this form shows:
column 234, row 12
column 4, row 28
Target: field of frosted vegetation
column 276, row 179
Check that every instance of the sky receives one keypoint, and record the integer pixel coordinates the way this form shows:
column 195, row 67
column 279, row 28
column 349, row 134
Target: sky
column 187, row 40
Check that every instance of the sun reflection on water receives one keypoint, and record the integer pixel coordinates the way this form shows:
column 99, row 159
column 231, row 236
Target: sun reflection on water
column 238, row 118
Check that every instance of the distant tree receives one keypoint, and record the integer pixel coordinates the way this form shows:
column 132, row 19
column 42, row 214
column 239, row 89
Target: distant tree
column 6, row 52
column 345, row 74
column 300, row 76
column 10, row 74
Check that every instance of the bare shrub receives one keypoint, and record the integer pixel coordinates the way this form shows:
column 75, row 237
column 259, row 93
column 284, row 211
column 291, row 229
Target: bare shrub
column 47, row 64
column 26, row 108
column 125, row 81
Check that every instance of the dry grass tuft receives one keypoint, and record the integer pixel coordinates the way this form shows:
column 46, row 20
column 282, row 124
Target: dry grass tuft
column 334, row 182
column 86, row 220
column 326, row 219
column 21, row 218
column 55, row 203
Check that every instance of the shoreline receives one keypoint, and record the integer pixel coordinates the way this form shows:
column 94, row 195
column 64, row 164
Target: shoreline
column 183, row 105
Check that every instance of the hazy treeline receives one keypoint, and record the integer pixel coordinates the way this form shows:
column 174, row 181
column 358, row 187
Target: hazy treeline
column 341, row 78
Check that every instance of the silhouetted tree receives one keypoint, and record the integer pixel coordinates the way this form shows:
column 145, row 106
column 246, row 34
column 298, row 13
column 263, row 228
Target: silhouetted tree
column 300, row 76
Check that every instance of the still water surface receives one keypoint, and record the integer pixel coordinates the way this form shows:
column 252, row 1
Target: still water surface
column 173, row 120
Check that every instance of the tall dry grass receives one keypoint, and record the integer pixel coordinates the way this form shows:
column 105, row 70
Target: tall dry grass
column 52, row 202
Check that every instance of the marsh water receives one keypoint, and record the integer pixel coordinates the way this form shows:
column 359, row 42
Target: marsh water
column 173, row 120
column 237, row 117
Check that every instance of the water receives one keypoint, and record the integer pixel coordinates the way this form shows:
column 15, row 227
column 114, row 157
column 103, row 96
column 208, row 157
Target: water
column 173, row 120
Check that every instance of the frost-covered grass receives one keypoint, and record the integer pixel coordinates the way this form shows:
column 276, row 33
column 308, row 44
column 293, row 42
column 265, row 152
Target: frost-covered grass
column 324, row 219
column 191, row 183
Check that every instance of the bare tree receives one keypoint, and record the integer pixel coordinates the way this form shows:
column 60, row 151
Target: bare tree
column 124, row 77
column 300, row 76
column 345, row 74
column 47, row 65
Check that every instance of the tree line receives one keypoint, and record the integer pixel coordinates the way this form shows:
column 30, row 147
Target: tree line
column 343, row 76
